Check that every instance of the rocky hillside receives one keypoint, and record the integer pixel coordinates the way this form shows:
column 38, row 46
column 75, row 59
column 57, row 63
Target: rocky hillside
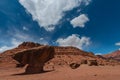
column 113, row 56
column 35, row 54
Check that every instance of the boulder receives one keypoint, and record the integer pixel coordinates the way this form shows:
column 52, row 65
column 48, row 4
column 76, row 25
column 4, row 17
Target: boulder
column 92, row 62
column 74, row 65
column 35, row 58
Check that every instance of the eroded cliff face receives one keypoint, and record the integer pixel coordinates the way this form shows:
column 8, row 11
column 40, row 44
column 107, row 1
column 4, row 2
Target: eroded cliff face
column 113, row 56
column 35, row 58
column 72, row 51
column 68, row 55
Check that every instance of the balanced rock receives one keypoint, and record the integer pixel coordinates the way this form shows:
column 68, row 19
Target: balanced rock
column 35, row 58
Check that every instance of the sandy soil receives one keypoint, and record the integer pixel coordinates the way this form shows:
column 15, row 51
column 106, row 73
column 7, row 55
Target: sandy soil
column 84, row 72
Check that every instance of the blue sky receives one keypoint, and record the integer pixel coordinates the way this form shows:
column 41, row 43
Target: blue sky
column 91, row 25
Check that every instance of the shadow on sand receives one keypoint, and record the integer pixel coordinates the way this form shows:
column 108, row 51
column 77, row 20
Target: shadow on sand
column 32, row 73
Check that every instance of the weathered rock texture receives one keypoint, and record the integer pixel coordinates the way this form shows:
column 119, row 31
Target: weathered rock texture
column 27, row 45
column 6, row 57
column 113, row 56
column 72, row 51
column 92, row 62
column 69, row 55
column 74, row 65
column 84, row 61
column 35, row 58
column 36, row 55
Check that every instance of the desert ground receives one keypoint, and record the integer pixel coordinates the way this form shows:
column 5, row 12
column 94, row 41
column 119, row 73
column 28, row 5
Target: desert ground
column 84, row 72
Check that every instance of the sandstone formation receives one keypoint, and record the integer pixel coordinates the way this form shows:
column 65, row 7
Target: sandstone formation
column 69, row 55
column 92, row 62
column 35, row 58
column 27, row 45
column 72, row 51
column 113, row 56
column 38, row 56
column 84, row 61
column 6, row 57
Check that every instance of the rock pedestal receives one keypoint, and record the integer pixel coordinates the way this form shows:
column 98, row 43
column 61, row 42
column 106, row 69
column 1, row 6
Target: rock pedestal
column 35, row 58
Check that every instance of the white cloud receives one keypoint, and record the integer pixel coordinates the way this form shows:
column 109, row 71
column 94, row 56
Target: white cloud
column 43, row 41
column 79, row 21
column 117, row 44
column 14, row 43
column 74, row 40
column 49, row 12
column 98, row 53
column 4, row 48
column 25, row 28
column 17, row 37
column 21, row 36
